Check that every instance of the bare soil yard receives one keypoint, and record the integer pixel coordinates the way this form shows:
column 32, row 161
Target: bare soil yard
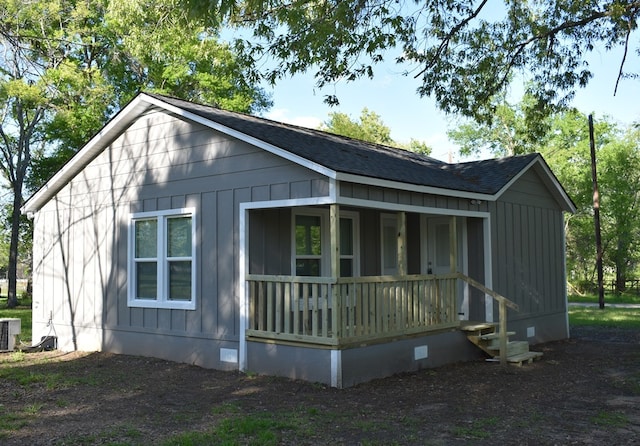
column 583, row 391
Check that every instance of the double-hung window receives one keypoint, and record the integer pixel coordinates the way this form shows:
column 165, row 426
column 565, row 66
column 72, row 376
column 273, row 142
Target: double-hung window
column 311, row 243
column 162, row 259
column 308, row 245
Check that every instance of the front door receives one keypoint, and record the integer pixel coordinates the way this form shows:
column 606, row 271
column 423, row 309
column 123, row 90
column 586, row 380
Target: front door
column 439, row 245
column 389, row 243
column 439, row 256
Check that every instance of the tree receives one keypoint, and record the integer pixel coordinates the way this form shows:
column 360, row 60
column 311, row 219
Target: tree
column 464, row 52
column 67, row 66
column 620, row 189
column 371, row 128
column 565, row 146
column 22, row 93
column 510, row 132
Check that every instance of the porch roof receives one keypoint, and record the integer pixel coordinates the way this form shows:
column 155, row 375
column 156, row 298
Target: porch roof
column 323, row 151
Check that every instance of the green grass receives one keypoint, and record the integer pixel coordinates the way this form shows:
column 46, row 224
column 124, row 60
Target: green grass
column 255, row 430
column 122, row 435
column 608, row 317
column 477, row 429
column 610, row 419
column 624, row 298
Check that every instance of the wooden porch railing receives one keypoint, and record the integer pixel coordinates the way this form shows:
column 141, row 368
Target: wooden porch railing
column 503, row 303
column 347, row 310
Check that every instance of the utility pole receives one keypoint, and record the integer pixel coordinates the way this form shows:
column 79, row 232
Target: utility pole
column 596, row 214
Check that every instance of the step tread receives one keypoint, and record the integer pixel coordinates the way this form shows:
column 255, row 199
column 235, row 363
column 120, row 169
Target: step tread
column 512, row 344
column 520, row 358
column 495, row 335
column 524, row 356
column 478, row 326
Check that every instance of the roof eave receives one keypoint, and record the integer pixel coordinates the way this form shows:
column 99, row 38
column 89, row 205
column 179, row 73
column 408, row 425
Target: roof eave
column 139, row 105
column 563, row 198
column 361, row 179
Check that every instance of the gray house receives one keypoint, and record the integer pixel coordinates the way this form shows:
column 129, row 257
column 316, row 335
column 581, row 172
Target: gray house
column 189, row 233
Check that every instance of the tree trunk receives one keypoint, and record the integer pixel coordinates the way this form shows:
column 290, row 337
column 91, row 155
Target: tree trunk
column 12, row 270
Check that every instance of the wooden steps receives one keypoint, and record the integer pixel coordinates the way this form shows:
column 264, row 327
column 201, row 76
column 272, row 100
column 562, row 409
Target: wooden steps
column 485, row 336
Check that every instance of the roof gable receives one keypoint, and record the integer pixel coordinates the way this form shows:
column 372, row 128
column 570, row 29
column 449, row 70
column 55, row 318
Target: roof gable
column 329, row 154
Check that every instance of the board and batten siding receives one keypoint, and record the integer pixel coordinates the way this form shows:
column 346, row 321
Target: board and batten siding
column 527, row 241
column 528, row 248
column 408, row 198
column 161, row 162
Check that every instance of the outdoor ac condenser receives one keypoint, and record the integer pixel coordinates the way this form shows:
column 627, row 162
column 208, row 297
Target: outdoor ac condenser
column 9, row 329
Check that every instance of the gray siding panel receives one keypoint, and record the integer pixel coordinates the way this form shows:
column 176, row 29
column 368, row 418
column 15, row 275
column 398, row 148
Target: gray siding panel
column 528, row 264
column 270, row 242
column 160, row 162
column 209, row 262
column 530, row 189
column 393, row 196
column 370, row 261
column 475, row 238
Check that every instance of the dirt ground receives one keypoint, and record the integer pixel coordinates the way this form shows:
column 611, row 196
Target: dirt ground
column 583, row 391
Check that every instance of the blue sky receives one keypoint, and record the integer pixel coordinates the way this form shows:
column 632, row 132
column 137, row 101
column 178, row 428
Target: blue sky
column 392, row 96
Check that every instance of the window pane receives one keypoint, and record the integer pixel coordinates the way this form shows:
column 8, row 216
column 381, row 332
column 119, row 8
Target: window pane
column 346, row 267
column 308, row 267
column 179, row 237
column 180, row 280
column 146, row 280
column 346, row 236
column 146, row 238
column 308, row 235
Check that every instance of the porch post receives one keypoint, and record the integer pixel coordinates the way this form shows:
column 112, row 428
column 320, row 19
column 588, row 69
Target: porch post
column 336, row 322
column 453, row 244
column 402, row 243
column 334, row 227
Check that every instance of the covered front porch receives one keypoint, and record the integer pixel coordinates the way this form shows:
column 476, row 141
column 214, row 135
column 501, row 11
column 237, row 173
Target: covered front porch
column 349, row 308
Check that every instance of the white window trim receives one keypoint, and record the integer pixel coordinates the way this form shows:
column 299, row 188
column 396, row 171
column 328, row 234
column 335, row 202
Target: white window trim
column 324, row 264
column 162, row 301
column 326, row 239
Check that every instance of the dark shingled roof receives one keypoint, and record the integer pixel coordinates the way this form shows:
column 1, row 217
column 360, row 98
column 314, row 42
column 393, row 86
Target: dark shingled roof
column 347, row 155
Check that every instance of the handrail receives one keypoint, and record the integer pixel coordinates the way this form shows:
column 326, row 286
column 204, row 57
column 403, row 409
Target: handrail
column 504, row 303
column 291, row 279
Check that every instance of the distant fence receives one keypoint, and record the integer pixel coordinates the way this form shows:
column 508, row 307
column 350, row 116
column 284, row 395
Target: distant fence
column 4, row 286
column 630, row 285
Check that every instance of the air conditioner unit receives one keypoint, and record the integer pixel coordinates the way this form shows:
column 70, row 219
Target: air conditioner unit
column 9, row 329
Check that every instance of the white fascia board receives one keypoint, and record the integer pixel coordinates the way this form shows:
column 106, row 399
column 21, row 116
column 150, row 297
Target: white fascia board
column 399, row 207
column 90, row 150
column 243, row 137
column 360, row 179
column 568, row 204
